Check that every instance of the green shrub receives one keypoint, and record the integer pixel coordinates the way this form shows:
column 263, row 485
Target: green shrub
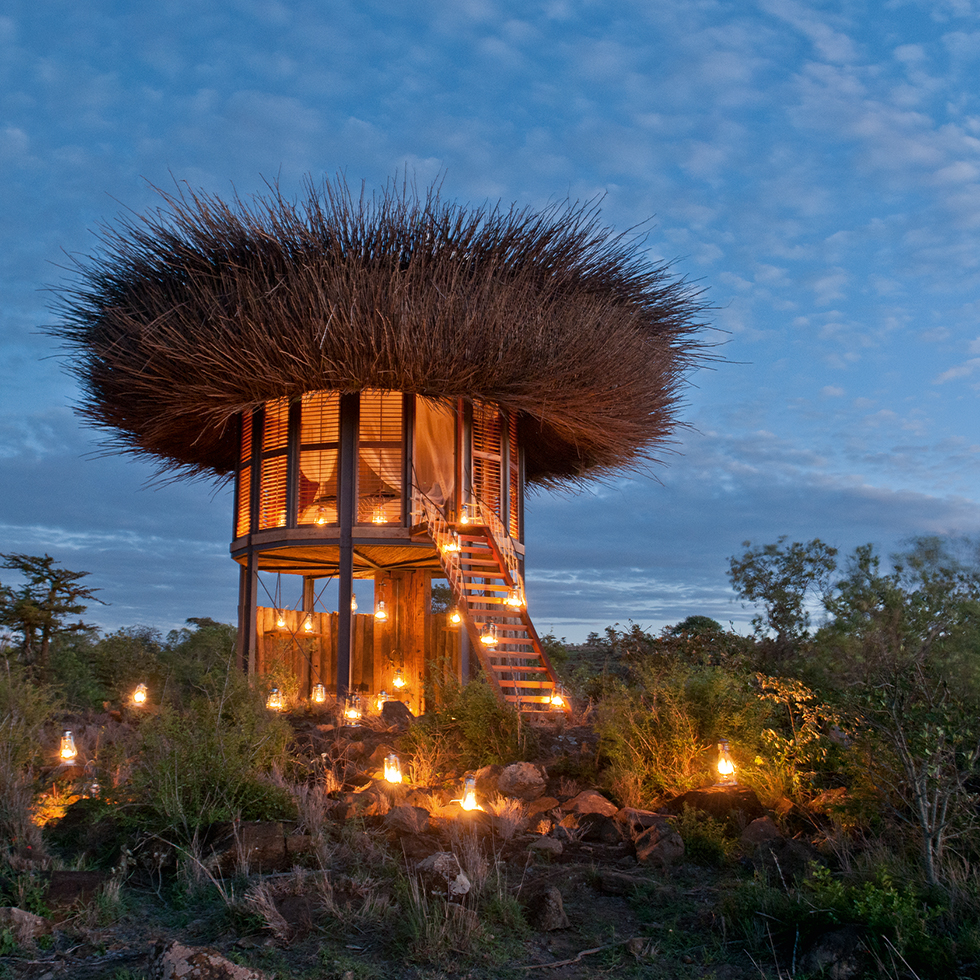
column 706, row 840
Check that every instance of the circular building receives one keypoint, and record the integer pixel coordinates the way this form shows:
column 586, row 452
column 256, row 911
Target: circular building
column 382, row 378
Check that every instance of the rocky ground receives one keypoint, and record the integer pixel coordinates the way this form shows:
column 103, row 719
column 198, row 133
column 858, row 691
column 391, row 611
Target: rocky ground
column 549, row 879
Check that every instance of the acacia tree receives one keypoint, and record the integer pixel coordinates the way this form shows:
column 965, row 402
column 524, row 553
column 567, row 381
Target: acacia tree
column 39, row 609
column 782, row 579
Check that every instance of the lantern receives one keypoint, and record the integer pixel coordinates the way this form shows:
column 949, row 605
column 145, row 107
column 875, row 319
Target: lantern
column 726, row 766
column 381, row 611
column 352, row 710
column 139, row 695
column 393, row 769
column 557, row 699
column 308, row 624
column 452, row 544
column 378, row 515
column 274, row 702
column 464, row 517
column 280, row 621
column 68, row 752
column 399, row 679
column 455, row 618
column 468, row 802
column 488, row 635
column 353, row 602
column 319, row 694
column 379, row 702
column 514, row 599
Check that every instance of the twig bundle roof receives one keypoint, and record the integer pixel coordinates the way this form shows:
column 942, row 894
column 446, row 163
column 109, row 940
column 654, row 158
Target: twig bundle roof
column 203, row 309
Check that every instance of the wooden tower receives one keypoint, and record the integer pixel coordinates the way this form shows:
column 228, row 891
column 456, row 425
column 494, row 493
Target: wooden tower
column 381, row 379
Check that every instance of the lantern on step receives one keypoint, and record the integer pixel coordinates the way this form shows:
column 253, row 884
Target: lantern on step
column 393, row 769
column 399, row 679
column 319, row 694
column 726, row 765
column 451, row 547
column 557, row 701
column 274, row 702
column 514, row 599
column 464, row 515
column 68, row 752
column 488, row 635
column 139, row 695
column 468, row 802
column 352, row 710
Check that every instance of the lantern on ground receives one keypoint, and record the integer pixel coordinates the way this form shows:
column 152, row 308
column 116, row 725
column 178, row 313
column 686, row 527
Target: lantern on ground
column 488, row 635
column 274, row 702
column 468, row 802
column 68, row 752
column 139, row 695
column 393, row 769
column 726, row 766
column 352, row 710
column 557, row 701
column 399, row 679
column 380, row 700
column 319, row 694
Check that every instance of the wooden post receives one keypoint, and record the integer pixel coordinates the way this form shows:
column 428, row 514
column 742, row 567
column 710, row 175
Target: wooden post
column 347, row 493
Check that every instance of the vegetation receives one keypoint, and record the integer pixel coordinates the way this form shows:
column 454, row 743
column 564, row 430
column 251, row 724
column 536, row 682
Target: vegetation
column 851, row 712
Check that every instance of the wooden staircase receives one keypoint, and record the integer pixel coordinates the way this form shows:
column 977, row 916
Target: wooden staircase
column 483, row 571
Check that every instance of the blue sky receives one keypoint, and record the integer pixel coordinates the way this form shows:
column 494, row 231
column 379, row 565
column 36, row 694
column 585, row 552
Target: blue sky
column 815, row 166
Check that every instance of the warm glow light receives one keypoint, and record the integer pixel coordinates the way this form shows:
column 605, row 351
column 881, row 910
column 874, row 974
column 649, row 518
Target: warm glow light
column 393, row 769
column 488, row 636
column 320, row 515
column 455, row 618
column 319, row 694
column 381, row 611
column 353, row 602
column 557, row 701
column 275, row 702
column 452, row 545
column 378, row 515
column 308, row 624
column 399, row 679
column 380, row 701
column 139, row 695
column 726, row 766
column 468, row 802
column 464, row 517
column 514, row 599
column 68, row 752
column 352, row 710
column 280, row 622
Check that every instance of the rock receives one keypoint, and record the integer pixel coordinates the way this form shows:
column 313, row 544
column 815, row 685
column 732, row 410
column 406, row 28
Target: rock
column 634, row 821
column 589, row 801
column 720, row 802
column 659, row 845
column 441, row 873
column 836, row 954
column 616, row 882
column 522, row 781
column 785, row 862
column 174, row 961
column 408, row 820
column 254, row 845
column 25, row 926
column 488, row 781
column 546, row 912
column 541, row 805
column 761, row 829
column 546, row 845
column 396, row 714
column 70, row 887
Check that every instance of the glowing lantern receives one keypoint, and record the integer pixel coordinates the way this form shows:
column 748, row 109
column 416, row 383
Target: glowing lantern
column 464, row 517
column 68, row 752
column 726, row 766
column 452, row 544
column 353, row 602
column 557, row 699
column 319, row 694
column 455, row 617
column 381, row 611
column 399, row 679
column 308, row 624
column 320, row 515
column 393, row 769
column 378, row 514
column 280, row 622
column 468, row 802
column 488, row 635
column 139, row 695
column 380, row 701
column 514, row 599
column 274, row 701
column 352, row 710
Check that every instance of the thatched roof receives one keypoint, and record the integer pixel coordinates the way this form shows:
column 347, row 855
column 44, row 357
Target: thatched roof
column 202, row 309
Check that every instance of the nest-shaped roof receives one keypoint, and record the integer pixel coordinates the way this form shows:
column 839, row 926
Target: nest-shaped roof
column 203, row 309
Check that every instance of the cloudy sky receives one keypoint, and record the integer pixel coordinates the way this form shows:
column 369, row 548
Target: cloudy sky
column 814, row 165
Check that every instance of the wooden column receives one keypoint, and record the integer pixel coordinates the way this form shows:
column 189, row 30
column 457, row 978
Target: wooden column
column 347, row 493
column 247, row 610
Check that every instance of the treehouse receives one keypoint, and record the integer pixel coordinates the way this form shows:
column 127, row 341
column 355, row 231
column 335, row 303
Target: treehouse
column 382, row 380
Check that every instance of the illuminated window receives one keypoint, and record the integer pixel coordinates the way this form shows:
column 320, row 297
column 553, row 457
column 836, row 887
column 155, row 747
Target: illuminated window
column 380, row 455
column 318, row 458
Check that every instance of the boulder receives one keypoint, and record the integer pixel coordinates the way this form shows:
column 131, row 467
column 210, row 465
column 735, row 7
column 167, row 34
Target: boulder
column 541, row 805
column 408, row 820
column 24, row 926
column 659, row 845
column 634, row 821
column 546, row 911
column 522, row 781
column 760, row 830
column 616, row 882
column 546, row 845
column 442, row 874
column 589, row 801
column 785, row 862
column 396, row 714
column 252, row 845
column 836, row 954
column 720, row 802
column 488, row 781
column 174, row 961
